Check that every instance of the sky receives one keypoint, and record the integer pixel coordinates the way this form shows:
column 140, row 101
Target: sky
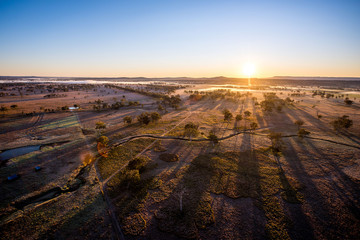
column 179, row 38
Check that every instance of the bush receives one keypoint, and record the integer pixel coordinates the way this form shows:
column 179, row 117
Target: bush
column 213, row 138
column 247, row 113
column 348, row 101
column 155, row 116
column 127, row 119
column 100, row 125
column 342, row 122
column 227, row 115
column 253, row 125
column 238, row 117
column 144, row 118
column 191, row 130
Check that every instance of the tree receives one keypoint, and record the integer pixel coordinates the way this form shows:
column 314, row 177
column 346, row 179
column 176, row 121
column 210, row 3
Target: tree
column 348, row 101
column 13, row 106
column 342, row 122
column 213, row 138
column 144, row 118
column 276, row 145
column 227, row 115
column 253, row 125
column 155, row 116
column 238, row 117
column 127, row 119
column 247, row 113
column 191, row 130
column 3, row 109
column 299, row 123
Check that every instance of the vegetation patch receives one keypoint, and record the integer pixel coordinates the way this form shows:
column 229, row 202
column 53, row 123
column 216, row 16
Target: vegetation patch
column 119, row 156
column 169, row 157
column 70, row 121
column 134, row 224
column 187, row 204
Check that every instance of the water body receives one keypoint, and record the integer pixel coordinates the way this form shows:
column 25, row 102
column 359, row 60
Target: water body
column 11, row 153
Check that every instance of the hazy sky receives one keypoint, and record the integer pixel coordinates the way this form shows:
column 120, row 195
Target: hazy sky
column 176, row 38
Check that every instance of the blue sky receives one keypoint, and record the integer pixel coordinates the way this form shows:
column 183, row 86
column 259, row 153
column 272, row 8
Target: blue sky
column 179, row 38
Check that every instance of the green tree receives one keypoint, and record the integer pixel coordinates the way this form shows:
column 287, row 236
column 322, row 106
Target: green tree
column 191, row 130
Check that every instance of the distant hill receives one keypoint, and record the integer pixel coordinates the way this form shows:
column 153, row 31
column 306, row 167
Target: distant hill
column 317, row 78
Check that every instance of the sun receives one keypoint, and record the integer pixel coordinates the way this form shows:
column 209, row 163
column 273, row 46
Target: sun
column 249, row 70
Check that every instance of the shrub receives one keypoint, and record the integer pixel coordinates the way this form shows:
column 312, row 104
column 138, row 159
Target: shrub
column 342, row 122
column 127, row 119
column 213, row 138
column 247, row 113
column 253, row 125
column 238, row 117
column 155, row 116
column 227, row 115
column 144, row 118
column 348, row 101
column 191, row 130
column 100, row 125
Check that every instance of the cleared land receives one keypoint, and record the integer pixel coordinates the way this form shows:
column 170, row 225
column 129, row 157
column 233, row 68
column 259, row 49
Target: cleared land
column 170, row 179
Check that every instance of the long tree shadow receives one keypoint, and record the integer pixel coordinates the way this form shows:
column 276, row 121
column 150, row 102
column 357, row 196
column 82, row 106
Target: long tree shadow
column 322, row 217
column 196, row 211
column 348, row 191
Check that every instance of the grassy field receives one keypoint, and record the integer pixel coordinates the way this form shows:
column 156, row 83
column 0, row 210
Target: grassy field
column 171, row 188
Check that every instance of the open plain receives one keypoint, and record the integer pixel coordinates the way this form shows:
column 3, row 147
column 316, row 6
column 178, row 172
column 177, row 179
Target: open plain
column 180, row 158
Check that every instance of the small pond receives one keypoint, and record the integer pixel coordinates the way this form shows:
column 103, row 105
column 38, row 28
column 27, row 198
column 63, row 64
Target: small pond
column 11, row 153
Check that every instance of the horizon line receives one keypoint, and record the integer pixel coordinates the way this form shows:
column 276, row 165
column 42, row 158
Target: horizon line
column 278, row 76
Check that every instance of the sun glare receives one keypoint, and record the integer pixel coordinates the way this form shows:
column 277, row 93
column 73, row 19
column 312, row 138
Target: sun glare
column 249, row 70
